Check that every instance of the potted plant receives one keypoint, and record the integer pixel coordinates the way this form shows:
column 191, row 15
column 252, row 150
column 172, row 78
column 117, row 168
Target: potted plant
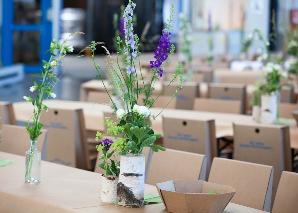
column 41, row 90
column 270, row 93
column 132, row 129
column 109, row 164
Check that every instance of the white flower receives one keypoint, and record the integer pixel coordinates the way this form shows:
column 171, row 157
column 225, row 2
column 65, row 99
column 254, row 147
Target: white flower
column 53, row 95
column 54, row 63
column 120, row 113
column 142, row 110
column 270, row 67
column 33, row 88
column 26, row 98
column 70, row 48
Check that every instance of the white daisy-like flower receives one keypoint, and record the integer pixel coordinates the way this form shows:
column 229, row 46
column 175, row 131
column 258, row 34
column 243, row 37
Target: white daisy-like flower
column 70, row 48
column 26, row 98
column 52, row 95
column 32, row 88
column 54, row 63
column 142, row 110
column 120, row 113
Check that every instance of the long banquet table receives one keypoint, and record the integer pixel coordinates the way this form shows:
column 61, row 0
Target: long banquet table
column 68, row 188
column 94, row 117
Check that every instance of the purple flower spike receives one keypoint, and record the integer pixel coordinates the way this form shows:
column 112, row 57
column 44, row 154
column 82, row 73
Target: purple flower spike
column 122, row 28
column 106, row 143
column 161, row 53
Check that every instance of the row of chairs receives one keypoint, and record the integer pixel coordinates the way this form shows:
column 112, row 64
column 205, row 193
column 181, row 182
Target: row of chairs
column 231, row 99
column 252, row 190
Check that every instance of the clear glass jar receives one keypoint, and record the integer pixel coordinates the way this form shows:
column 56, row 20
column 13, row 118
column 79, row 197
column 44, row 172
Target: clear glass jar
column 32, row 164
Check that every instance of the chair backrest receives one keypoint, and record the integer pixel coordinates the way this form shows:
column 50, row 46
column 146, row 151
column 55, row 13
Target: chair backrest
column 287, row 94
column 252, row 182
column 243, row 77
column 7, row 115
column 98, row 97
column 16, row 140
column 286, row 110
column 191, row 135
column 217, row 105
column 228, row 92
column 163, row 166
column 287, row 194
column 66, row 137
column 186, row 96
column 264, row 144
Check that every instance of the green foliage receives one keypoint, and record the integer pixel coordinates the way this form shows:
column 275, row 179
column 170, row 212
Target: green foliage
column 43, row 89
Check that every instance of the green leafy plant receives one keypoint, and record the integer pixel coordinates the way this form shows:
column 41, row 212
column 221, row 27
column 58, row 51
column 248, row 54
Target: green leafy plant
column 45, row 88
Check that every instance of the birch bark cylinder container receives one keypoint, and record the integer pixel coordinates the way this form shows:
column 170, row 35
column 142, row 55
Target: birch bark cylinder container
column 269, row 108
column 256, row 113
column 108, row 193
column 130, row 188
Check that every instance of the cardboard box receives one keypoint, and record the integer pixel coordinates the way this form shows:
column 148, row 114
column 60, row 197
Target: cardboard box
column 191, row 135
column 228, row 92
column 66, row 137
column 200, row 197
column 264, row 144
column 162, row 166
column 186, row 96
column 217, row 105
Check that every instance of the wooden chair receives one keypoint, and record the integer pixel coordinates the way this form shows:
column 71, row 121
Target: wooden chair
column 264, row 144
column 235, row 92
column 15, row 140
column 217, row 105
column 186, row 96
column 67, row 138
column 190, row 135
column 98, row 97
column 252, row 182
column 163, row 166
column 286, row 110
column 287, row 194
column 7, row 115
column 287, row 94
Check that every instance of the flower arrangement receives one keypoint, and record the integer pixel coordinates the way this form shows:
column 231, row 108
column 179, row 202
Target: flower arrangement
column 186, row 42
column 292, row 50
column 247, row 43
column 41, row 90
column 132, row 130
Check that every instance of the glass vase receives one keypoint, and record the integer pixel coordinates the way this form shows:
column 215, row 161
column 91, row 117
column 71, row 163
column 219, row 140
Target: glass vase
column 32, row 164
column 130, row 188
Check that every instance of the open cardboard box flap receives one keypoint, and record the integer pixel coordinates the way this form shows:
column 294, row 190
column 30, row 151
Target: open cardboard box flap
column 201, row 196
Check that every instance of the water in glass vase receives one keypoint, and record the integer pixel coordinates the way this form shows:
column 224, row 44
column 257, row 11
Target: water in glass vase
column 33, row 161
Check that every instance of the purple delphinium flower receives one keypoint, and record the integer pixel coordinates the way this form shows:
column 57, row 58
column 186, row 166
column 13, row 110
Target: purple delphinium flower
column 106, row 143
column 122, row 28
column 161, row 53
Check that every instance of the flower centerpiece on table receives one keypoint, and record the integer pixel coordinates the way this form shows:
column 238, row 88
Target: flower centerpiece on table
column 186, row 44
column 131, row 130
column 41, row 90
column 292, row 50
column 269, row 90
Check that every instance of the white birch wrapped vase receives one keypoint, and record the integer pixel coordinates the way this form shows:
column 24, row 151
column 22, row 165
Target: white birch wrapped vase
column 130, row 188
column 269, row 108
column 108, row 193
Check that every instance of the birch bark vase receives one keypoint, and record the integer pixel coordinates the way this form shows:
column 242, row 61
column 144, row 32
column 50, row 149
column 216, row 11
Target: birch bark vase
column 130, row 188
column 108, row 193
column 269, row 108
